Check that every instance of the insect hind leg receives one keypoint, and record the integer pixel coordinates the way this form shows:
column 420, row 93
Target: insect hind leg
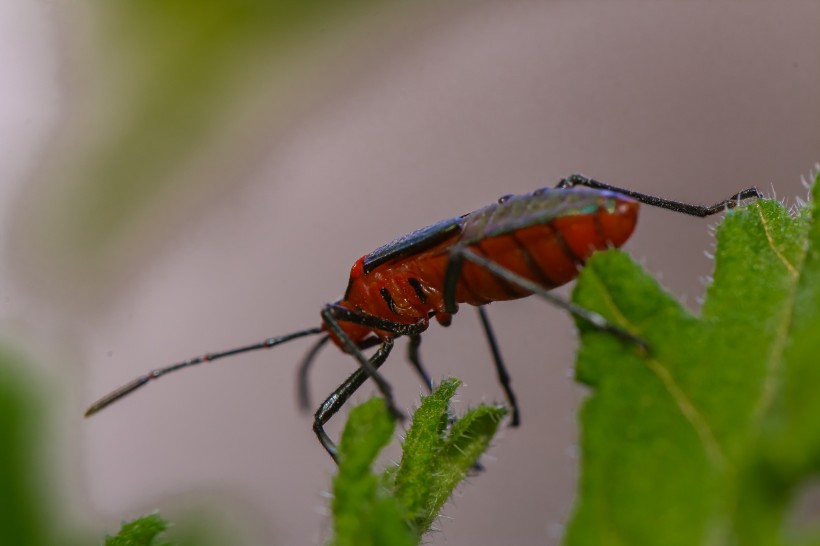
column 700, row 211
column 594, row 319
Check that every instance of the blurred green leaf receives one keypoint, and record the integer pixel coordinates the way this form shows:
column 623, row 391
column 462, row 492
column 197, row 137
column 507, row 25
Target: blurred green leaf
column 364, row 512
column 179, row 70
column 144, row 531
column 23, row 519
column 169, row 98
column 704, row 438
column 29, row 513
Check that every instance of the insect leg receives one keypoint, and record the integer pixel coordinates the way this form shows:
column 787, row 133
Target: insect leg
column 413, row 331
column 336, row 400
column 501, row 370
column 377, row 323
column 684, row 208
column 415, row 360
column 302, row 386
column 352, row 349
column 592, row 317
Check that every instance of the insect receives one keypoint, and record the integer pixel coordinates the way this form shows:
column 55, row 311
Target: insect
column 521, row 245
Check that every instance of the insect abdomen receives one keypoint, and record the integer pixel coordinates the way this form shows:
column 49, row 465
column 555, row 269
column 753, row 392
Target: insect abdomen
column 549, row 254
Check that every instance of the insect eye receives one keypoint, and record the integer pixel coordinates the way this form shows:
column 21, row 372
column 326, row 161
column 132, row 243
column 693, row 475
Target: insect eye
column 504, row 198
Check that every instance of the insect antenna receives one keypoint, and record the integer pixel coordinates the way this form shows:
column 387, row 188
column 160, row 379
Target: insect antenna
column 131, row 386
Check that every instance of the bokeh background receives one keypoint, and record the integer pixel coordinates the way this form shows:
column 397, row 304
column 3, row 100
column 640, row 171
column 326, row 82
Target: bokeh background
column 187, row 176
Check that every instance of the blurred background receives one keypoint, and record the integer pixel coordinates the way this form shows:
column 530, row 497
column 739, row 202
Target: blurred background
column 179, row 177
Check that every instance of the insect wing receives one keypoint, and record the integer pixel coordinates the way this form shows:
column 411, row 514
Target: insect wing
column 413, row 243
column 532, row 209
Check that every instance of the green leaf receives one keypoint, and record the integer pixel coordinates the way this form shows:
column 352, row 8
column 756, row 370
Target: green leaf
column 436, row 459
column 30, row 498
column 144, row 531
column 29, row 510
column 23, row 518
column 170, row 76
column 364, row 511
column 399, row 506
column 168, row 99
column 414, row 478
column 704, row 437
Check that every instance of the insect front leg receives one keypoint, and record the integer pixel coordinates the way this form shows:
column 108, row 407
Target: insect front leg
column 333, row 313
column 683, row 208
column 302, row 383
column 344, row 314
column 352, row 349
column 335, row 401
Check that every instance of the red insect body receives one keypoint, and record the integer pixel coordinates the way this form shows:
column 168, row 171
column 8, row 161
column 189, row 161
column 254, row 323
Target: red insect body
column 523, row 244
column 548, row 253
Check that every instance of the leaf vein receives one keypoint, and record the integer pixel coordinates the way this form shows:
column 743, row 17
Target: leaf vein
column 792, row 270
column 685, row 405
column 772, row 379
column 710, row 444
